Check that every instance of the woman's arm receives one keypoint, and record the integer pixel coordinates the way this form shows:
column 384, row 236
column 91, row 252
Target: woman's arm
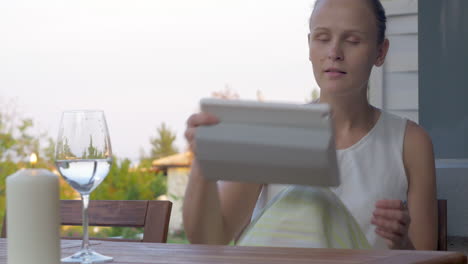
column 412, row 225
column 418, row 157
column 214, row 212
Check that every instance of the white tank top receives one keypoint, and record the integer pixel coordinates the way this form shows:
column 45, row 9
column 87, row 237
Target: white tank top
column 370, row 170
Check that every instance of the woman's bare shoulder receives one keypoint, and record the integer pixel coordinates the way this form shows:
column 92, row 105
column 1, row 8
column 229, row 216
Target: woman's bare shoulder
column 415, row 135
column 418, row 153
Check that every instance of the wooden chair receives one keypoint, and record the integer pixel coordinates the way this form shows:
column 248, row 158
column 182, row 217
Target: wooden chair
column 153, row 216
column 442, row 225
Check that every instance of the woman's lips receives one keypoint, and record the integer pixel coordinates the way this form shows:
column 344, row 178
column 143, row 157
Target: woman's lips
column 335, row 73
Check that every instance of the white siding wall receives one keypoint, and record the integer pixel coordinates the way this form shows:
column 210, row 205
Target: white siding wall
column 394, row 86
column 177, row 179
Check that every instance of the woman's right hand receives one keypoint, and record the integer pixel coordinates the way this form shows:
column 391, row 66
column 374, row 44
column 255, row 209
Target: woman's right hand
column 194, row 121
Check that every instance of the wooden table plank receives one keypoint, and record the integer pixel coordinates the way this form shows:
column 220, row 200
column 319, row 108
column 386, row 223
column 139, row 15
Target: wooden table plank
column 154, row 253
column 422, row 258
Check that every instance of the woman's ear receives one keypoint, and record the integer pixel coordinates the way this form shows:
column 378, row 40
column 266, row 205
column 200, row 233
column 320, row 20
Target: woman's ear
column 383, row 49
column 308, row 44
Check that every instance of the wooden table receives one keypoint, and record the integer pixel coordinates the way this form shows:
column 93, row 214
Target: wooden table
column 152, row 253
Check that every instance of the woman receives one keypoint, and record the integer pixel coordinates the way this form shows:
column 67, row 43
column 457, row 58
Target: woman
column 384, row 160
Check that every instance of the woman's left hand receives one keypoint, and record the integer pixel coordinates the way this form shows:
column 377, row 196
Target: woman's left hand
column 392, row 220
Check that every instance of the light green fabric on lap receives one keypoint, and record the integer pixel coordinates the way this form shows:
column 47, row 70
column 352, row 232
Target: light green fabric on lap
column 304, row 216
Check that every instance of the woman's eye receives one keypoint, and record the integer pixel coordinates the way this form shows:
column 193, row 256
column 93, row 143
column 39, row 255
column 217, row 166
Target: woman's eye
column 322, row 38
column 353, row 40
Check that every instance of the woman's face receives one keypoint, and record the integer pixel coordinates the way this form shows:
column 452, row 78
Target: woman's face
column 343, row 45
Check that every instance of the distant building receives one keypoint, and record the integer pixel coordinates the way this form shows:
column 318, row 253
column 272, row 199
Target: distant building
column 177, row 168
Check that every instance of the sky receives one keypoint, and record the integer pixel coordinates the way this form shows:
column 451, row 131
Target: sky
column 145, row 62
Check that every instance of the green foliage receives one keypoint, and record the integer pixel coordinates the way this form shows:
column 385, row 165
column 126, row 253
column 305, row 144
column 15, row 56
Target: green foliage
column 314, row 95
column 122, row 183
column 49, row 151
column 125, row 183
column 124, row 232
column 163, row 144
column 16, row 145
column 178, row 238
column 103, row 232
column 63, row 149
column 16, row 142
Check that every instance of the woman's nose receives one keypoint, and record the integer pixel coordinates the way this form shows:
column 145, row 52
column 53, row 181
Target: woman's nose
column 335, row 53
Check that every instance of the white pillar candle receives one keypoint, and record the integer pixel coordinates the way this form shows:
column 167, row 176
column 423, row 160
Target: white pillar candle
column 33, row 219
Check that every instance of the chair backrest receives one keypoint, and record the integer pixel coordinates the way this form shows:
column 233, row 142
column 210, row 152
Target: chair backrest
column 442, row 225
column 153, row 216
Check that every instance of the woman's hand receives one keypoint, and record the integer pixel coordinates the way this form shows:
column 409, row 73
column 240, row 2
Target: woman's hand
column 392, row 220
column 195, row 120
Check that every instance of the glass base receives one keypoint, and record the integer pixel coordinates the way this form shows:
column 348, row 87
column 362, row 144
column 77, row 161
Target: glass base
column 87, row 257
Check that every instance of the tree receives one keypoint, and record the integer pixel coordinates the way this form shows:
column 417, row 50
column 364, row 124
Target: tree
column 163, row 144
column 125, row 183
column 314, row 95
column 17, row 143
column 228, row 93
column 122, row 182
column 49, row 151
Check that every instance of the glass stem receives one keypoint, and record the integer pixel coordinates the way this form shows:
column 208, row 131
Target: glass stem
column 85, row 243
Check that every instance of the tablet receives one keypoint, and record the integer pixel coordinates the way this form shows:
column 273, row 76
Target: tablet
column 267, row 142
column 271, row 113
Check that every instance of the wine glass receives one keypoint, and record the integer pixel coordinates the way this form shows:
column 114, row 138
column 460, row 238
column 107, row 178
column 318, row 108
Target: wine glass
column 83, row 157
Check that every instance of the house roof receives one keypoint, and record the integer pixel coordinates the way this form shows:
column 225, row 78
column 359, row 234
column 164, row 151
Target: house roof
column 183, row 159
